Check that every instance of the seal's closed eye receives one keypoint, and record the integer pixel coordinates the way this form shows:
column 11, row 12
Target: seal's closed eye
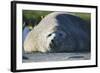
column 60, row 34
column 49, row 35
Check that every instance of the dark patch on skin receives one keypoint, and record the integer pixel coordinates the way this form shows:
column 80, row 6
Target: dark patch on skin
column 77, row 36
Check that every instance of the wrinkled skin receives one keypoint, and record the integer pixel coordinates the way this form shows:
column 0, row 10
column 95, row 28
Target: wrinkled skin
column 59, row 32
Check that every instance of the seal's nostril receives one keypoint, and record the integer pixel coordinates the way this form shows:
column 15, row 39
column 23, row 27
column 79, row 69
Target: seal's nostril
column 52, row 44
column 52, row 41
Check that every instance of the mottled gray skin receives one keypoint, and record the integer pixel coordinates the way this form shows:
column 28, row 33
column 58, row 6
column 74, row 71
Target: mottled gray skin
column 71, row 34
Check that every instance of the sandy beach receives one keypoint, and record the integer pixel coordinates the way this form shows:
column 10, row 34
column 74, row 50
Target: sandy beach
column 45, row 57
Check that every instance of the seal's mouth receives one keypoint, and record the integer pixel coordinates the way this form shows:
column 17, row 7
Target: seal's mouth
column 55, row 45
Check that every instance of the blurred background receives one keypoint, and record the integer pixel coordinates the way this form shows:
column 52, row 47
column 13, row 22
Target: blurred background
column 32, row 18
